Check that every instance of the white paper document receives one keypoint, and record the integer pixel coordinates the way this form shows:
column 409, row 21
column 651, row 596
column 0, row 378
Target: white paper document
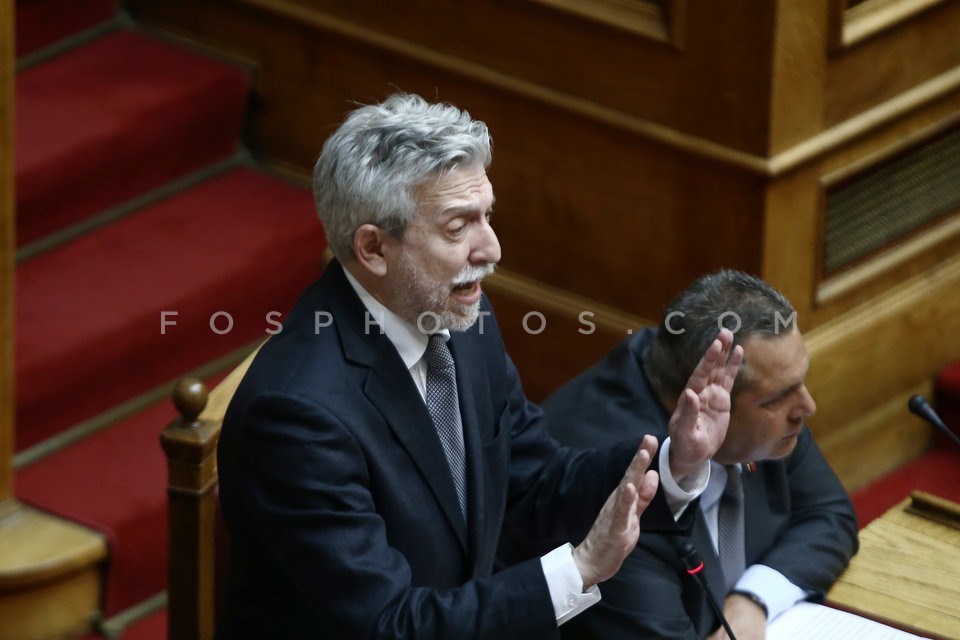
column 808, row 621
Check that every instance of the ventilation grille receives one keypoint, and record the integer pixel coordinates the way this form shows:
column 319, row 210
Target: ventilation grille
column 889, row 202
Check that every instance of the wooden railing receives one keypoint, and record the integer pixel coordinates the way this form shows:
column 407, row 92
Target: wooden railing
column 190, row 444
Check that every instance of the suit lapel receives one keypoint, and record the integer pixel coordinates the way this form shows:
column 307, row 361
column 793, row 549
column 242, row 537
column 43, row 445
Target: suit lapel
column 391, row 390
column 711, row 562
column 472, row 385
column 753, row 493
column 393, row 393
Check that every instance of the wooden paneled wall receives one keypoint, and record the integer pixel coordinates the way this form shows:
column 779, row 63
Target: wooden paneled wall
column 639, row 144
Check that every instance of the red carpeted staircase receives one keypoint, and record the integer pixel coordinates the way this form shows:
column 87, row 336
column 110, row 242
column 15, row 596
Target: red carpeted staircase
column 114, row 118
column 149, row 246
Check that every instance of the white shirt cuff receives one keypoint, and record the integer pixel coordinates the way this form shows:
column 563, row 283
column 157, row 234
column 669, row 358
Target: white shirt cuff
column 778, row 593
column 566, row 585
column 678, row 498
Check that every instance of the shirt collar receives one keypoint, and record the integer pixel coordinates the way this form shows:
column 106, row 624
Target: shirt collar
column 409, row 341
column 717, row 483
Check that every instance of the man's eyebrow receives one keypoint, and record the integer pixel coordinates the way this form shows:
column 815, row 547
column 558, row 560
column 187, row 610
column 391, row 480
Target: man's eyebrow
column 782, row 393
column 459, row 210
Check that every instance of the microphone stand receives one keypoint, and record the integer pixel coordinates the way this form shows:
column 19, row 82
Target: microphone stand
column 694, row 567
column 919, row 406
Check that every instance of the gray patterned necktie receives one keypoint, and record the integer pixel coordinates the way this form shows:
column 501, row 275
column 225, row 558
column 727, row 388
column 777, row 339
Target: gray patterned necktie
column 444, row 408
column 730, row 528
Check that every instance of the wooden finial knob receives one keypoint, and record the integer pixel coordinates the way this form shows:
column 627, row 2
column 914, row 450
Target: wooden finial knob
column 189, row 397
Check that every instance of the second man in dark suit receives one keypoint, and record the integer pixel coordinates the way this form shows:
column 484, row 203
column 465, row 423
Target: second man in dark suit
column 798, row 525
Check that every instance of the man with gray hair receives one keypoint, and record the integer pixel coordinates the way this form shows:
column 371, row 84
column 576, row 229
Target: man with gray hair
column 378, row 443
column 774, row 525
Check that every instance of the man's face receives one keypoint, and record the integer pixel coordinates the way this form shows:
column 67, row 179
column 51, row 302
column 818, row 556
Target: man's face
column 770, row 410
column 447, row 249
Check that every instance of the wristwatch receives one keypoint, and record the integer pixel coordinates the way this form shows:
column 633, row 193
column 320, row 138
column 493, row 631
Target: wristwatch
column 757, row 600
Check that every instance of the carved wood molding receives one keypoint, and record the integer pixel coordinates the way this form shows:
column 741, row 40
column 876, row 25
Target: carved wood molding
column 936, row 88
column 888, row 261
column 545, row 298
column 900, row 252
column 895, row 340
column 772, row 167
column 482, row 74
column 658, row 20
column 854, row 22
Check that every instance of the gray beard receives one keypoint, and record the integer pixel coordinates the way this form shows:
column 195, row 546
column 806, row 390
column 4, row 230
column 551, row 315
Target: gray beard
column 427, row 307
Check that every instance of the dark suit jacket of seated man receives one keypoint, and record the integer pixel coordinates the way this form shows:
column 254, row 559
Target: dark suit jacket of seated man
column 800, row 526
column 343, row 506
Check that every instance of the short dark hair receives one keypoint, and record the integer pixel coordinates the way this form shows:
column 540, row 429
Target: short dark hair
column 743, row 303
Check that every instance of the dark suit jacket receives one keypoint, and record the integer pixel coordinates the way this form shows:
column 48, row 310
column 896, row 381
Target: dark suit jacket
column 342, row 516
column 798, row 518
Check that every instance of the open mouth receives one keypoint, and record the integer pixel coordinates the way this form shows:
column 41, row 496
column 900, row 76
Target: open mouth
column 466, row 287
column 466, row 293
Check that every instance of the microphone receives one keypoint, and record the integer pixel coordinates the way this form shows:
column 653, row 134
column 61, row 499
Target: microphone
column 694, row 565
column 919, row 406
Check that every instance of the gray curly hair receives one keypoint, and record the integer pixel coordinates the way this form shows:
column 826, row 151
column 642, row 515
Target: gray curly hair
column 370, row 168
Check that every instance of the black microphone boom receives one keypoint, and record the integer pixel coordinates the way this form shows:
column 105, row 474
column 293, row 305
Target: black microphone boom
column 694, row 566
column 919, row 406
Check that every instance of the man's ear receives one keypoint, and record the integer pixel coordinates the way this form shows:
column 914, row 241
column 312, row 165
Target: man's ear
column 368, row 243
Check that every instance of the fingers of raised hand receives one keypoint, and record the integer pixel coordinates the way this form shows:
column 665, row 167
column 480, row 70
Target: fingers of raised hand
column 726, row 341
column 712, row 363
column 732, row 367
column 688, row 408
column 624, row 508
column 612, row 537
column 646, row 490
column 721, row 356
column 650, row 445
column 641, row 460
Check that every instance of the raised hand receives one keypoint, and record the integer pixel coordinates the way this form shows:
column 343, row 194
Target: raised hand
column 699, row 423
column 615, row 532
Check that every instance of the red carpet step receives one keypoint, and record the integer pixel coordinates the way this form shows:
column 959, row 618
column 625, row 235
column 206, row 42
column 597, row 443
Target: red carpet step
column 117, row 117
column 153, row 627
column 43, row 22
column 89, row 314
column 115, row 482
